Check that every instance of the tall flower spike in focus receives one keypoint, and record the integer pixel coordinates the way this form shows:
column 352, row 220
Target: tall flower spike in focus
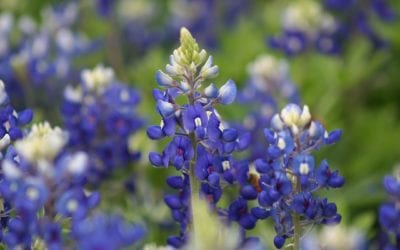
column 289, row 175
column 200, row 145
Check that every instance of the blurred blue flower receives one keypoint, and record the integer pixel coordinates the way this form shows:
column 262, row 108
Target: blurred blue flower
column 39, row 61
column 99, row 116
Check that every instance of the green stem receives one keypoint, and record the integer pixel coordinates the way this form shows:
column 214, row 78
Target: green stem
column 296, row 220
column 194, row 185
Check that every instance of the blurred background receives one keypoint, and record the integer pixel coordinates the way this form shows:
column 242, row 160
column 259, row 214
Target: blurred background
column 342, row 57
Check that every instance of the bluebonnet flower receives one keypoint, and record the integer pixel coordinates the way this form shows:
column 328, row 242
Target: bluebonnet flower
column 40, row 61
column 38, row 176
column 11, row 129
column 389, row 213
column 104, row 7
column 306, row 25
column 269, row 85
column 201, row 145
column 356, row 17
column 45, row 186
column 328, row 27
column 288, row 175
column 11, row 121
column 99, row 115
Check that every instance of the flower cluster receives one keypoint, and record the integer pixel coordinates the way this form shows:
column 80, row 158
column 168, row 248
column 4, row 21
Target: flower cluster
column 99, row 115
column 356, row 17
column 44, row 189
column 389, row 212
column 201, row 146
column 269, row 85
column 10, row 120
column 327, row 27
column 39, row 58
column 288, row 176
column 39, row 177
column 307, row 26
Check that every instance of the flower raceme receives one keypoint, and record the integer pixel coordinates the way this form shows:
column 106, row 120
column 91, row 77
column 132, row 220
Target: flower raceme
column 289, row 176
column 34, row 55
column 201, row 143
column 307, row 25
column 100, row 117
column 10, row 120
column 326, row 27
column 44, row 186
column 39, row 175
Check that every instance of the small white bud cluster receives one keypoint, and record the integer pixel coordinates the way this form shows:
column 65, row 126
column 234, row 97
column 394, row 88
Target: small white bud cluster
column 307, row 16
column 293, row 117
column 98, row 78
column 43, row 143
column 188, row 62
column 267, row 70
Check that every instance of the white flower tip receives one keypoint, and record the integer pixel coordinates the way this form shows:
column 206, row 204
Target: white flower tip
column 10, row 170
column 78, row 163
column 98, row 78
column 42, row 143
column 227, row 93
column 276, row 122
column 305, row 116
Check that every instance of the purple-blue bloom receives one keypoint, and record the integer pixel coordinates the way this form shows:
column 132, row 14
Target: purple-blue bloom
column 288, row 177
column 100, row 117
column 328, row 27
column 200, row 143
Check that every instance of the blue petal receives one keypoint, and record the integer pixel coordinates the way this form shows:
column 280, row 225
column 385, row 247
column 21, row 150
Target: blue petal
column 229, row 134
column 155, row 132
column 166, row 109
column 227, row 93
column 25, row 116
column 173, row 202
column 164, row 79
column 211, row 91
column 333, row 136
column 248, row 192
column 156, row 159
column 175, row 182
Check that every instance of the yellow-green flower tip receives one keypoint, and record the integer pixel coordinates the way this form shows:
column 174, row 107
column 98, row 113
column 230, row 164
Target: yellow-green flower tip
column 189, row 49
